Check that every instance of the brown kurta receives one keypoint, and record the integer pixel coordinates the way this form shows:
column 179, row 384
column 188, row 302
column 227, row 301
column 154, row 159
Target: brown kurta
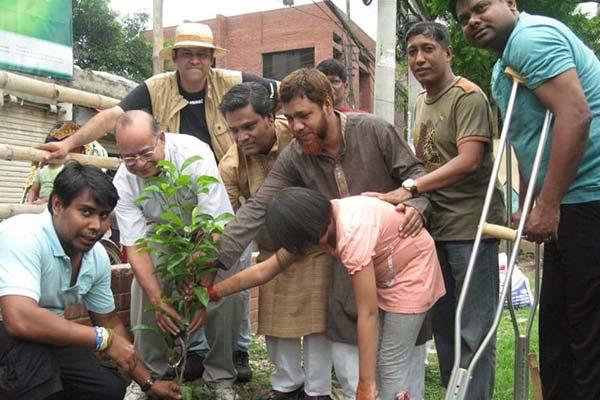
column 373, row 157
column 293, row 304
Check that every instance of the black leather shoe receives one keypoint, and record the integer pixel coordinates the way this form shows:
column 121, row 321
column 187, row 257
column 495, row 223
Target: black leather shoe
column 242, row 366
column 194, row 367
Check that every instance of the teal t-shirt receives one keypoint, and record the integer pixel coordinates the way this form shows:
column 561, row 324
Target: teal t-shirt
column 33, row 264
column 540, row 49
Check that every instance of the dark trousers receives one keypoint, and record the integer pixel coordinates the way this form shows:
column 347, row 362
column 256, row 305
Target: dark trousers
column 36, row 371
column 570, row 307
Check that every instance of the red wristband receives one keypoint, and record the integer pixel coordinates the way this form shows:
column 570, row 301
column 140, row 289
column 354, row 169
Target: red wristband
column 212, row 293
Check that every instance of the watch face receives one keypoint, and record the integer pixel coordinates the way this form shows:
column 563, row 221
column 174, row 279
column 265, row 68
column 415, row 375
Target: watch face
column 408, row 184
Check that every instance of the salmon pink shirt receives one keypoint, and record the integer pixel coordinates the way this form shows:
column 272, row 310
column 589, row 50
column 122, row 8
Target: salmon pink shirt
column 407, row 272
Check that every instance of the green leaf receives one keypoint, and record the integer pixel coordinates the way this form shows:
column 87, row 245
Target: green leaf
column 187, row 393
column 173, row 218
column 154, row 308
column 157, row 180
column 171, row 191
column 225, row 217
column 167, row 166
column 145, row 249
column 184, row 180
column 152, row 188
column 141, row 199
column 202, row 295
column 206, row 180
column 189, row 162
column 146, row 327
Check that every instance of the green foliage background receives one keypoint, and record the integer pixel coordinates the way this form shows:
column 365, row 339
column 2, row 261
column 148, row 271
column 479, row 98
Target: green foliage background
column 104, row 41
column 477, row 64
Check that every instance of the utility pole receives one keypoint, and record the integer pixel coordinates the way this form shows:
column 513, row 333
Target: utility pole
column 385, row 69
column 349, row 57
column 157, row 36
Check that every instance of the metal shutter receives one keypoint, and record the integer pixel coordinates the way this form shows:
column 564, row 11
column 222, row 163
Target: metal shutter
column 20, row 125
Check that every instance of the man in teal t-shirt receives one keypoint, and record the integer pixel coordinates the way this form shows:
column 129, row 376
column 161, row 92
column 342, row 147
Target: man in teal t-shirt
column 562, row 76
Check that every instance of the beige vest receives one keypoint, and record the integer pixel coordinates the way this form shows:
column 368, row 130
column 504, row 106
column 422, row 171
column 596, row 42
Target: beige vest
column 167, row 102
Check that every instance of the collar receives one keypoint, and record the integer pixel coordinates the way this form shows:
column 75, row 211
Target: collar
column 343, row 124
column 431, row 100
column 518, row 26
column 48, row 227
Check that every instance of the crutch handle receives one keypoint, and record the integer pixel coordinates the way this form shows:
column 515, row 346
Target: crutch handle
column 516, row 77
column 500, row 232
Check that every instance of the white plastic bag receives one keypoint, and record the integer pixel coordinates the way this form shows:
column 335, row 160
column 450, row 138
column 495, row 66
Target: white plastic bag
column 521, row 291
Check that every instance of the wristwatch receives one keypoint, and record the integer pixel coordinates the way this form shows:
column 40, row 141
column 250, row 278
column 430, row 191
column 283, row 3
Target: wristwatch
column 147, row 385
column 411, row 185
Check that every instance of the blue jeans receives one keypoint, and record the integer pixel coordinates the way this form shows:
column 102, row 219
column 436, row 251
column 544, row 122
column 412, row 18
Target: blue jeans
column 477, row 316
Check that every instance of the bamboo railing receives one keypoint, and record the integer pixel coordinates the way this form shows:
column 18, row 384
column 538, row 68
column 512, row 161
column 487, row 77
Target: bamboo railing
column 10, row 152
column 51, row 91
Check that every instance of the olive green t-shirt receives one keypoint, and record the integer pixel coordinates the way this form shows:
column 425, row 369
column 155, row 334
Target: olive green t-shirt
column 458, row 114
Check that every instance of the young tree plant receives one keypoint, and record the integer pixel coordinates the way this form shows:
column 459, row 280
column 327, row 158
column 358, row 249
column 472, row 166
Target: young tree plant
column 185, row 245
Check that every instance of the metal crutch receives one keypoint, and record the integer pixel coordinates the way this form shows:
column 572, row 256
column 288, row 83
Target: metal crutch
column 459, row 380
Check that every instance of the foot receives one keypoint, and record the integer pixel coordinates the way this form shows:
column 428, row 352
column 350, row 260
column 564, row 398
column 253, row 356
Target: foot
column 277, row 395
column 242, row 366
column 225, row 393
column 194, row 367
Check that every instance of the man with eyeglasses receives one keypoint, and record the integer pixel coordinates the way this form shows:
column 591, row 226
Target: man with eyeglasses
column 142, row 145
column 338, row 77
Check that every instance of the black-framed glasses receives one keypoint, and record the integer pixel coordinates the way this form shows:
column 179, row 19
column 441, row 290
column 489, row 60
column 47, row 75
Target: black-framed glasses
column 145, row 155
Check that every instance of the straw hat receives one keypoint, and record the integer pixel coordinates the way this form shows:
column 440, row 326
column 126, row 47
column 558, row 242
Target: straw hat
column 193, row 34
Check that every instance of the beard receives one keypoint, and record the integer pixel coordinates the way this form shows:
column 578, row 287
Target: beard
column 314, row 145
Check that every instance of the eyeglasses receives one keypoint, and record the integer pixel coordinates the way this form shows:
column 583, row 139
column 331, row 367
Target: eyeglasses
column 200, row 54
column 145, row 155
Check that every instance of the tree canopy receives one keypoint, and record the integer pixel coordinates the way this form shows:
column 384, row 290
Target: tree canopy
column 105, row 41
column 476, row 64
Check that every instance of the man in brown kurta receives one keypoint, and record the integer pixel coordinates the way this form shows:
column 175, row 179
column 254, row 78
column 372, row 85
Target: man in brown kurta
column 292, row 306
column 360, row 153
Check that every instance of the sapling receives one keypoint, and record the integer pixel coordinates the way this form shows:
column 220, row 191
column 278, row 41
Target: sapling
column 185, row 245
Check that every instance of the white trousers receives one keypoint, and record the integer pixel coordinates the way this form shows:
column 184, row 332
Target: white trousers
column 289, row 374
column 345, row 365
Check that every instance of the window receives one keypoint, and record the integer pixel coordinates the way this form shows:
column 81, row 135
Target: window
column 278, row 65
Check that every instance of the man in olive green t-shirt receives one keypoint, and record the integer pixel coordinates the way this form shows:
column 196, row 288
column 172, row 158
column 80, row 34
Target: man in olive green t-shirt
column 453, row 137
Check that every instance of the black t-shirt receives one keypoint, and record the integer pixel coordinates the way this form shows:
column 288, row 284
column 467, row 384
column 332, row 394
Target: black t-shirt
column 193, row 115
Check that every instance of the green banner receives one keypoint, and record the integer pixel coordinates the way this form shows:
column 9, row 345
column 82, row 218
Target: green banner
column 36, row 36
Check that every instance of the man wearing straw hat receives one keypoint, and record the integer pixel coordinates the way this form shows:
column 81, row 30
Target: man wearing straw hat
column 185, row 100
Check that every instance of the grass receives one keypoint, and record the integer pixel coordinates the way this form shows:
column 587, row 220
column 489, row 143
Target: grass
column 503, row 390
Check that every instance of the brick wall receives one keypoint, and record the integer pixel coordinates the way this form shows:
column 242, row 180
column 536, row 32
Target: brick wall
column 121, row 277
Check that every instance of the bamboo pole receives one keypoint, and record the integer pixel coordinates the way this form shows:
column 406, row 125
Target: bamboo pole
column 157, row 36
column 9, row 152
column 10, row 210
column 57, row 93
